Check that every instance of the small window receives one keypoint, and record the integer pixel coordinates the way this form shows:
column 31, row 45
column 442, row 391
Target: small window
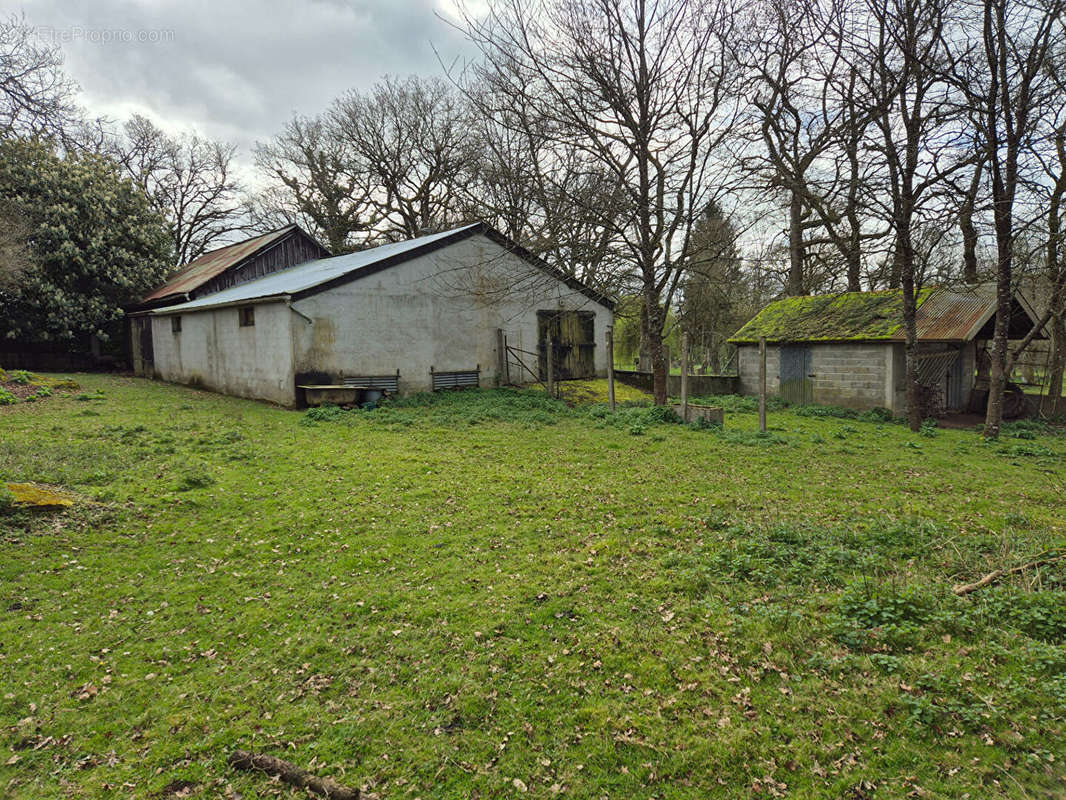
column 175, row 324
column 247, row 316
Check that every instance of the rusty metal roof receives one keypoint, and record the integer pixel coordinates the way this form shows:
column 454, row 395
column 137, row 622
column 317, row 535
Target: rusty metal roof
column 950, row 316
column 212, row 264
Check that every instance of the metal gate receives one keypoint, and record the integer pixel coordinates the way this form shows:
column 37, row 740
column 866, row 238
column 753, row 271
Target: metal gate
column 797, row 387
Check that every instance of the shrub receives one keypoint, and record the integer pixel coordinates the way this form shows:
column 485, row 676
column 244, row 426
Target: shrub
column 20, row 376
column 826, row 411
column 876, row 414
column 7, row 398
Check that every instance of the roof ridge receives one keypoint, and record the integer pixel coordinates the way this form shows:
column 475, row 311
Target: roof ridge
column 321, row 274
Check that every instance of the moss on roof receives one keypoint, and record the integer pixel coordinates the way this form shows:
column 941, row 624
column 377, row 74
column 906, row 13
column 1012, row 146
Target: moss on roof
column 859, row 316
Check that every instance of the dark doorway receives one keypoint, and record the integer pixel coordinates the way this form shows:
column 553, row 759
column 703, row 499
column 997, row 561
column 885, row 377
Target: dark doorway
column 573, row 335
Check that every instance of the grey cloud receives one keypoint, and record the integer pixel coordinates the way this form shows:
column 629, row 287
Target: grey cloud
column 237, row 71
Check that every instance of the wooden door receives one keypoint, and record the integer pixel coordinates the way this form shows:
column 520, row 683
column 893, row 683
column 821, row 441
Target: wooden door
column 573, row 337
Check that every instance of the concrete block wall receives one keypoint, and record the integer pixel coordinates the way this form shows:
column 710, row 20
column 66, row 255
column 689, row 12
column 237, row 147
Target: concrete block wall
column 748, row 367
column 855, row 375
column 852, row 375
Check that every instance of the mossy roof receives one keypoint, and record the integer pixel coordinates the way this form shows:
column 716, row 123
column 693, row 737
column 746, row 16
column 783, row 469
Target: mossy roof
column 851, row 316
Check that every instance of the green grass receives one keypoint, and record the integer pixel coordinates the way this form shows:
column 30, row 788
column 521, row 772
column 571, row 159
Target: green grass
column 441, row 597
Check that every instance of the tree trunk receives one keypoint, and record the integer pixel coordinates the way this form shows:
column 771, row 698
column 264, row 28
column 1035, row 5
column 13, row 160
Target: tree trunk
column 910, row 347
column 794, row 286
column 969, row 244
column 968, row 229
column 644, row 349
column 854, row 259
column 655, row 315
column 997, row 376
column 896, row 274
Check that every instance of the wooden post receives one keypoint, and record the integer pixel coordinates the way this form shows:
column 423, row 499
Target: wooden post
column 762, row 384
column 610, row 366
column 551, row 377
column 684, row 377
column 501, row 358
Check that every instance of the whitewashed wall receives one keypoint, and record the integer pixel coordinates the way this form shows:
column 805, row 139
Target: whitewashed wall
column 440, row 310
column 214, row 351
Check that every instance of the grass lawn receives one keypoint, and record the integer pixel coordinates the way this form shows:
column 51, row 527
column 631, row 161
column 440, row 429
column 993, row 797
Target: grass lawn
column 491, row 595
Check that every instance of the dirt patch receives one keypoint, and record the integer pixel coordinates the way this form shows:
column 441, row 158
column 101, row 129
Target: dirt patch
column 177, row 788
column 960, row 421
column 20, row 390
column 25, row 386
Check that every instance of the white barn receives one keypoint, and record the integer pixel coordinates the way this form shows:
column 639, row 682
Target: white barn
column 411, row 316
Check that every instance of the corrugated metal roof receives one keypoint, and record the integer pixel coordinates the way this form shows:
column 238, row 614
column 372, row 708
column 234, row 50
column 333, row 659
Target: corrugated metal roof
column 310, row 274
column 200, row 270
column 953, row 316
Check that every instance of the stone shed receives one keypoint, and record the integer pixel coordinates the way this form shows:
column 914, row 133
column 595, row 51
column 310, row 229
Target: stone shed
column 847, row 349
column 444, row 310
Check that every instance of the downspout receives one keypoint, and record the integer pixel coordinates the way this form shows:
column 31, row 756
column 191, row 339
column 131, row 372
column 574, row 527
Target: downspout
column 292, row 346
column 297, row 312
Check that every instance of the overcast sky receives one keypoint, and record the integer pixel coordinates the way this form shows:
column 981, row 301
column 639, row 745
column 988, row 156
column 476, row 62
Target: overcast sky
column 236, row 71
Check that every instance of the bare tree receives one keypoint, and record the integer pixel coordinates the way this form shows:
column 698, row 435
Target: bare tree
column 811, row 128
column 314, row 178
column 900, row 56
column 542, row 195
column 36, row 95
column 648, row 92
column 415, row 139
column 1007, row 88
column 188, row 180
column 1050, row 186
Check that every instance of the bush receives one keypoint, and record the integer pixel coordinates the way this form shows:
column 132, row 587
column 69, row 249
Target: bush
column 20, row 376
column 7, row 398
column 876, row 414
